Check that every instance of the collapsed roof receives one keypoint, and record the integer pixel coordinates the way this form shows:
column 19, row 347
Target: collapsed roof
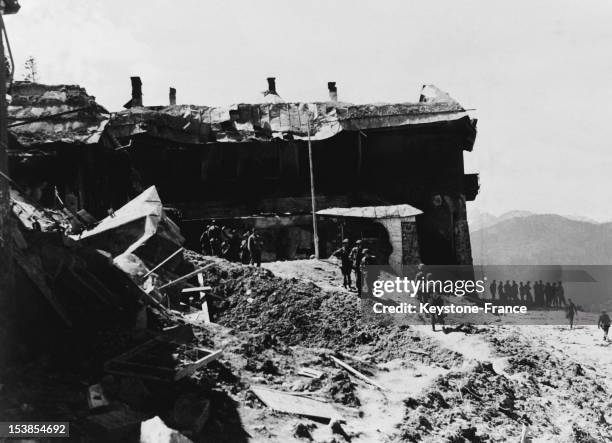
column 268, row 121
column 40, row 114
column 43, row 114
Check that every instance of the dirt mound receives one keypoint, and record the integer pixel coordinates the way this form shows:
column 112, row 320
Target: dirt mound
column 291, row 310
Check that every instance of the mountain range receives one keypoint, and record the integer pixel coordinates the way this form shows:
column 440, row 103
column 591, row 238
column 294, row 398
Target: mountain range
column 522, row 237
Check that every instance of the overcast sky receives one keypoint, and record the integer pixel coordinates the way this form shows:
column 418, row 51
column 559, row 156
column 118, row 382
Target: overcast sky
column 539, row 73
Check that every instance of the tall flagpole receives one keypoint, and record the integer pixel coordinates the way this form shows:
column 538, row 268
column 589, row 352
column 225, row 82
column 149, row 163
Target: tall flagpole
column 312, row 195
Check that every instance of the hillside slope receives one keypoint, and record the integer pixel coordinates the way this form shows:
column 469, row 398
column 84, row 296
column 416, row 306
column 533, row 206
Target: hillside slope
column 543, row 239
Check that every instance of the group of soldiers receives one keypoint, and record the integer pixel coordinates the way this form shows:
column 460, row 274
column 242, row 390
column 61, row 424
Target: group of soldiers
column 549, row 295
column 234, row 245
column 355, row 259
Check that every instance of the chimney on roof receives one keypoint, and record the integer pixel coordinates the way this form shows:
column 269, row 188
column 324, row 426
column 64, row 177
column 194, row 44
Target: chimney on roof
column 333, row 91
column 172, row 96
column 272, row 86
column 136, row 92
column 271, row 96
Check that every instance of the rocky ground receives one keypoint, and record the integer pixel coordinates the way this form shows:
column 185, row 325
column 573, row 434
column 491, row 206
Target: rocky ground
column 493, row 382
column 472, row 383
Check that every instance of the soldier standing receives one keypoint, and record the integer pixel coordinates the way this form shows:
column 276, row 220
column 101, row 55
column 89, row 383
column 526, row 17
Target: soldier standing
column 438, row 301
column 204, row 241
column 245, row 257
column 560, row 296
column 493, row 289
column 344, row 255
column 214, row 238
column 539, row 294
column 370, row 275
column 255, row 245
column 515, row 292
column 604, row 323
column 528, row 297
column 508, row 291
column 356, row 256
column 548, row 295
column 571, row 312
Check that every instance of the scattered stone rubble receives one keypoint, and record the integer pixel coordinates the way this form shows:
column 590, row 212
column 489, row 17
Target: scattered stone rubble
column 286, row 335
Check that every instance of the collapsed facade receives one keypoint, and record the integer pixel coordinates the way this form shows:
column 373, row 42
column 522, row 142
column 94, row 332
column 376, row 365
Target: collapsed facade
column 248, row 166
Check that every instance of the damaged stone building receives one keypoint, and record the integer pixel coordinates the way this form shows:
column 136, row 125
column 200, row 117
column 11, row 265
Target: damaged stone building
column 390, row 174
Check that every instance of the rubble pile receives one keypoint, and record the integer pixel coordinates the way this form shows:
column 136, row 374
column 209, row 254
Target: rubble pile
column 296, row 312
column 65, row 287
column 496, row 402
column 129, row 352
column 581, row 387
column 84, row 343
column 342, row 390
column 291, row 310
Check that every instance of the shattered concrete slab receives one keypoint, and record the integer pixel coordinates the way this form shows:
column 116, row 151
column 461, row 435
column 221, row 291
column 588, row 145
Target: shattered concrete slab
column 140, row 227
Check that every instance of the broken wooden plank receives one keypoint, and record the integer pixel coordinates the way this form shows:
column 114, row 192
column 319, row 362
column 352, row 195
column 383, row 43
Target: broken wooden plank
column 185, row 277
column 210, row 294
column 128, row 364
column 356, row 373
column 294, row 404
column 162, row 309
column 205, row 312
column 163, row 262
column 196, row 317
column 191, row 368
column 197, row 289
column 311, row 373
column 416, row 351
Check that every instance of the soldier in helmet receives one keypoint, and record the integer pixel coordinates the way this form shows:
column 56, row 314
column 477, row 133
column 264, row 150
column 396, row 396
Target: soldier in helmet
column 369, row 273
column 214, row 238
column 344, row 255
column 604, row 324
column 356, row 255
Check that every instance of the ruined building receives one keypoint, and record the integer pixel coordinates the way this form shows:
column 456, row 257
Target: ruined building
column 391, row 174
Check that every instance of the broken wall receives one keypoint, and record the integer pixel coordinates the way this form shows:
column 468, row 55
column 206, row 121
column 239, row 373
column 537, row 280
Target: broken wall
column 443, row 231
column 404, row 241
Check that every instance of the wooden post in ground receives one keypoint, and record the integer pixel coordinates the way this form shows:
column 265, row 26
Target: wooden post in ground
column 6, row 252
column 205, row 311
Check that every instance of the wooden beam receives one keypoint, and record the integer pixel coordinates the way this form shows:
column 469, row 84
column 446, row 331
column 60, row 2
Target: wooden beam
column 185, row 277
column 197, row 289
column 356, row 373
column 416, row 351
column 205, row 311
column 190, row 369
column 294, row 404
column 163, row 263
column 311, row 373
